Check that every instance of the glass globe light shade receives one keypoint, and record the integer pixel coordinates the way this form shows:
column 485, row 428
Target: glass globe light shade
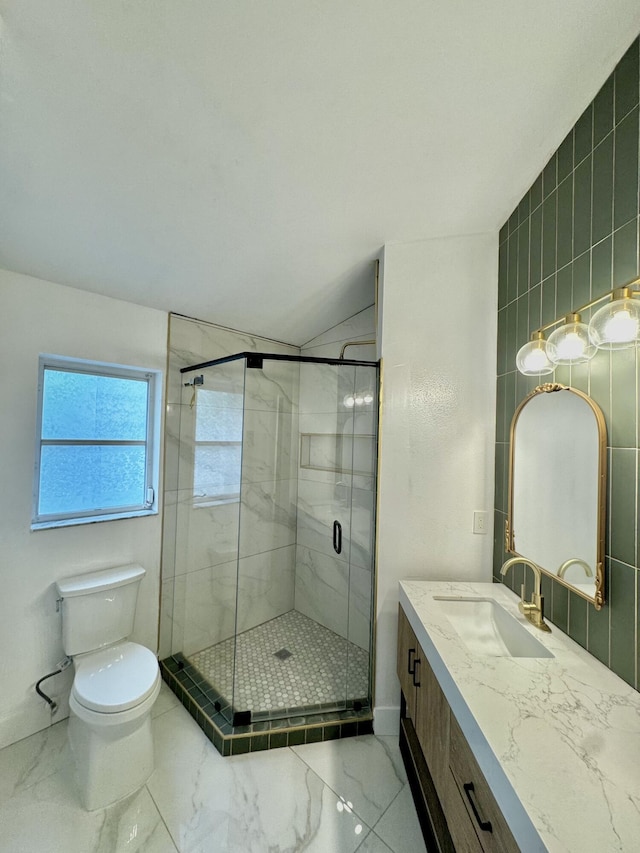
column 532, row 359
column 617, row 324
column 570, row 343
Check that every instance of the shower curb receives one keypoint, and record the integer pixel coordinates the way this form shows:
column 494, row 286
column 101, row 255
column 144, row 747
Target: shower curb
column 264, row 734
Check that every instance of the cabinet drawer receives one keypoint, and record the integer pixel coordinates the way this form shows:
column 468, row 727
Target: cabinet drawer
column 483, row 811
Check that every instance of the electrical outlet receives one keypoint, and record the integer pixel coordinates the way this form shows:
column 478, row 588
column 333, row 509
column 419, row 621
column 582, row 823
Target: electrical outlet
column 480, row 521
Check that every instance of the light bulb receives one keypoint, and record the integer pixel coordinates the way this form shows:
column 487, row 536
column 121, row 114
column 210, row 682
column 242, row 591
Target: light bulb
column 349, row 401
column 368, row 397
column 570, row 344
column 532, row 359
column 621, row 327
column 617, row 324
column 536, row 360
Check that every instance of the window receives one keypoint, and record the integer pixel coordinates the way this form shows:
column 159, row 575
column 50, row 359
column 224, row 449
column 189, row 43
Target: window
column 217, row 458
column 96, row 453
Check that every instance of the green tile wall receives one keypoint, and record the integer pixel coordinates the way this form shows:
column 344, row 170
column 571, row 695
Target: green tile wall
column 572, row 237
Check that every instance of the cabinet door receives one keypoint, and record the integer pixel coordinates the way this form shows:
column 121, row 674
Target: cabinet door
column 461, row 828
column 483, row 812
column 432, row 724
column 408, row 657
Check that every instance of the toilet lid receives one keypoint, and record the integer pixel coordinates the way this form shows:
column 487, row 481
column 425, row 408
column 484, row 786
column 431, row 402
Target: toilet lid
column 116, row 678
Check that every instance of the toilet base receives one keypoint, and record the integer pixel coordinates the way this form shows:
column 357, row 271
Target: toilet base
column 111, row 762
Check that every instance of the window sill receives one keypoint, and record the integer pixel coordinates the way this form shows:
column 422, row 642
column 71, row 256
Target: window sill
column 91, row 519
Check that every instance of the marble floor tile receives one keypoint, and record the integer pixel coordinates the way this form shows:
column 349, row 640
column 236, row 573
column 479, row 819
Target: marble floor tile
column 321, row 797
column 40, row 809
column 166, row 700
column 373, row 844
column 366, row 771
column 25, row 764
column 245, row 804
column 399, row 827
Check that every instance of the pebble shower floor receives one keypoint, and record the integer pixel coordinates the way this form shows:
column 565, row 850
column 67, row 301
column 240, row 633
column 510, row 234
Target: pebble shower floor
column 321, row 667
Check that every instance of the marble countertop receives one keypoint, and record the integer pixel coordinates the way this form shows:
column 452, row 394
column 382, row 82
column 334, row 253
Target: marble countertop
column 557, row 738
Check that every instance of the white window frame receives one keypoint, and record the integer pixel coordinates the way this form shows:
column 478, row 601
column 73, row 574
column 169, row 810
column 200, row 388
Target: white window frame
column 151, row 442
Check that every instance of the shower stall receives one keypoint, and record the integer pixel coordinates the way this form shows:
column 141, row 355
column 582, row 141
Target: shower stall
column 270, row 615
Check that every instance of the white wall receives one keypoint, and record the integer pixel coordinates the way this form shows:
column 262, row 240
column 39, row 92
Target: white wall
column 38, row 316
column 437, row 340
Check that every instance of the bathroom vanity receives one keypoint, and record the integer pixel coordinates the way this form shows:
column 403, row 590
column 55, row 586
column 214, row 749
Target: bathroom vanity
column 514, row 739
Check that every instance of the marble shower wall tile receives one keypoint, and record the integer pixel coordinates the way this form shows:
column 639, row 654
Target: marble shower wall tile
column 319, row 504
column 192, row 342
column 323, row 388
column 165, row 633
column 322, row 587
column 266, row 586
column 361, row 325
column 360, row 603
column 210, row 606
column 169, row 527
column 360, row 353
column 172, row 614
column 267, row 516
column 274, row 388
column 206, row 535
column 171, row 446
column 269, row 446
column 230, row 598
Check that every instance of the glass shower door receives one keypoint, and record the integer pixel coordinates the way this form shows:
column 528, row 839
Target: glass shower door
column 305, row 561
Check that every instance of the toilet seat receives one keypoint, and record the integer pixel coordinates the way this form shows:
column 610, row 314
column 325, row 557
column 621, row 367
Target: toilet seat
column 116, row 678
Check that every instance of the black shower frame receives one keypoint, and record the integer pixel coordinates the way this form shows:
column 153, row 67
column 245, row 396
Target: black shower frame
column 255, row 359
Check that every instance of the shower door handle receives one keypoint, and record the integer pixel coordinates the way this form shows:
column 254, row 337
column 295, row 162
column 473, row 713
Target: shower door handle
column 337, row 536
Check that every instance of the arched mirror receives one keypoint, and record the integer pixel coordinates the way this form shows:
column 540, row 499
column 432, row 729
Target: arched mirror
column 557, row 488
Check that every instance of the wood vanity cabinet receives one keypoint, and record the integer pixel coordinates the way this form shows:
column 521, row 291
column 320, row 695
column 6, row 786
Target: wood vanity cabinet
column 456, row 806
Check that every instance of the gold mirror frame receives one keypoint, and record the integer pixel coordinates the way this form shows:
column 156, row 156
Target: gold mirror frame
column 551, row 388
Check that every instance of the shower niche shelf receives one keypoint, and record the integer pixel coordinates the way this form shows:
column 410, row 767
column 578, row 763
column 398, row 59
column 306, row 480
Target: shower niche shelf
column 324, row 451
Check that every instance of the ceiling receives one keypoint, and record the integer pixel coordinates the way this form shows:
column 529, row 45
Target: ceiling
column 243, row 162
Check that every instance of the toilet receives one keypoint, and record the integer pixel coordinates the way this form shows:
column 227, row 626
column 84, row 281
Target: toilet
column 116, row 683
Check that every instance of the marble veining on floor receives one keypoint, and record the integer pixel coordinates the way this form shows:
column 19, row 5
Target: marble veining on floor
column 343, row 796
column 321, row 667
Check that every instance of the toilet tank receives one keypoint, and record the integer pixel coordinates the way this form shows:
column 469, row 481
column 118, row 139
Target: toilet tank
column 98, row 608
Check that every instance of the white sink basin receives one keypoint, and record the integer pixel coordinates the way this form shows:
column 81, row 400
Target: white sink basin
column 487, row 628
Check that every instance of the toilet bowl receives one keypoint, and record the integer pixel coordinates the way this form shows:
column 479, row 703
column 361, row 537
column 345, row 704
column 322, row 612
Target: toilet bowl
column 115, row 686
column 110, row 723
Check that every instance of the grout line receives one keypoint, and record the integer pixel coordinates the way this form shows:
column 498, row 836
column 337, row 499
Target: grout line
column 157, row 807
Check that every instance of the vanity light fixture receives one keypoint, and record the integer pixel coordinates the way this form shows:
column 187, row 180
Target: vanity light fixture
column 617, row 324
column 532, row 358
column 614, row 326
column 570, row 343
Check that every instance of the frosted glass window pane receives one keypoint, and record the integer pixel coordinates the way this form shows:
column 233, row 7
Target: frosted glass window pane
column 89, row 407
column 217, row 471
column 81, row 479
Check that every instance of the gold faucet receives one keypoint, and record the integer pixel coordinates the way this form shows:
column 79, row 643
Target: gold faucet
column 575, row 561
column 532, row 610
